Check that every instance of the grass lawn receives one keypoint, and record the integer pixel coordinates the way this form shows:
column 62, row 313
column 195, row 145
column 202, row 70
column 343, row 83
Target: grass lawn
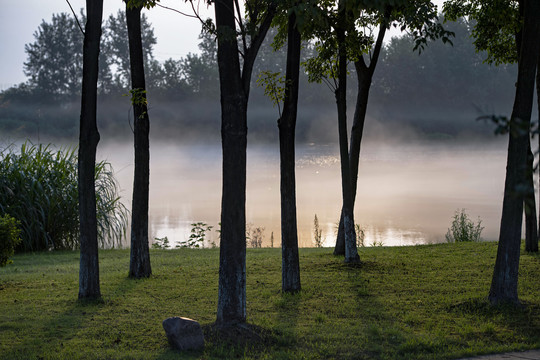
column 421, row 302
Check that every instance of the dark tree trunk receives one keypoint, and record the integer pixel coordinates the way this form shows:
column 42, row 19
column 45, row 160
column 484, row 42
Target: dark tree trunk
column 88, row 140
column 364, row 75
column 139, row 262
column 531, row 231
column 351, row 253
column 232, row 260
column 234, row 89
column 505, row 274
column 535, row 246
column 287, row 124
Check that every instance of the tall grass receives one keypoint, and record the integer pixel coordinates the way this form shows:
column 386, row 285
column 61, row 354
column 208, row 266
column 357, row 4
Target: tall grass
column 38, row 187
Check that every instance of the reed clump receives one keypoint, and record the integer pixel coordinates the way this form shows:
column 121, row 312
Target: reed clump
column 38, row 187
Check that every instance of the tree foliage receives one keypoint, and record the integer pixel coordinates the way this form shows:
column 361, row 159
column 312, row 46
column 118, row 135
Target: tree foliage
column 496, row 23
column 443, row 78
column 54, row 61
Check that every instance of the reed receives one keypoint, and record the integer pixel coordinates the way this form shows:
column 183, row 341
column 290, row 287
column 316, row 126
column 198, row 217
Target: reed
column 38, row 187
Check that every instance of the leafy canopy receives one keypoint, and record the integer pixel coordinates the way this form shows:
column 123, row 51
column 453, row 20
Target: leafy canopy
column 419, row 18
column 496, row 23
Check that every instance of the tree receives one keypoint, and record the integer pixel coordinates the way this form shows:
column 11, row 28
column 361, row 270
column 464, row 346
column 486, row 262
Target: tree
column 116, row 47
column 88, row 141
column 54, row 59
column 287, row 124
column 200, row 71
column 54, row 62
column 341, row 28
column 469, row 83
column 234, row 80
column 505, row 274
column 139, row 265
column 419, row 17
column 349, row 33
column 331, row 63
column 502, row 47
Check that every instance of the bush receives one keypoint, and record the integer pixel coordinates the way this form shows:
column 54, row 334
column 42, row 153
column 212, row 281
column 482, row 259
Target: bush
column 9, row 238
column 38, row 187
column 463, row 228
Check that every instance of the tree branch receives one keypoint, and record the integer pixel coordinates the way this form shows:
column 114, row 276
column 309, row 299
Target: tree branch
column 241, row 25
column 196, row 16
column 75, row 15
column 255, row 45
column 380, row 38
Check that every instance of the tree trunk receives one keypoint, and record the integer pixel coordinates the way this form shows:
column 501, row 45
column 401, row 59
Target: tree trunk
column 234, row 89
column 364, row 83
column 364, row 75
column 505, row 274
column 232, row 260
column 531, row 231
column 88, row 140
column 139, row 262
column 535, row 246
column 351, row 253
column 287, row 124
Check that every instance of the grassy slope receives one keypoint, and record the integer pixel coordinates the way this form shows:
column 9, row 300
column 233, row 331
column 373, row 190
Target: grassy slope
column 424, row 302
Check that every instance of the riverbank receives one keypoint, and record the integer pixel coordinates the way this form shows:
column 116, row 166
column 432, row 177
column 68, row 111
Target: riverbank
column 422, row 302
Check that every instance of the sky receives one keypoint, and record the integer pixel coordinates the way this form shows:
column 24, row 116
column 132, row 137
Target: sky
column 176, row 34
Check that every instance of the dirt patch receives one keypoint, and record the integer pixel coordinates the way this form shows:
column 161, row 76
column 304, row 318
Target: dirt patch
column 242, row 335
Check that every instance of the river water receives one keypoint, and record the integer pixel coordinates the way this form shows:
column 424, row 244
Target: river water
column 407, row 193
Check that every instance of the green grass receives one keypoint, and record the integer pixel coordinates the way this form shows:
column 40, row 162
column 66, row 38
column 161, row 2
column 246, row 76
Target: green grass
column 423, row 302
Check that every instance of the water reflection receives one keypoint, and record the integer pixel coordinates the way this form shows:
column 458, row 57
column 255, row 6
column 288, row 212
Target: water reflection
column 407, row 194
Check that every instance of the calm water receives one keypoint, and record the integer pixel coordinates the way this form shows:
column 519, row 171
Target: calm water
column 407, row 194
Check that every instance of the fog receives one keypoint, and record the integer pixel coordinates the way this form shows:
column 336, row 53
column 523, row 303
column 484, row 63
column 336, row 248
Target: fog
column 408, row 191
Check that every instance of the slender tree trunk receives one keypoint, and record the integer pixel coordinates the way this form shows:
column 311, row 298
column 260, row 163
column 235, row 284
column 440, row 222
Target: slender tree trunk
column 351, row 253
column 88, row 140
column 139, row 264
column 531, row 231
column 287, row 125
column 505, row 274
column 232, row 260
column 364, row 75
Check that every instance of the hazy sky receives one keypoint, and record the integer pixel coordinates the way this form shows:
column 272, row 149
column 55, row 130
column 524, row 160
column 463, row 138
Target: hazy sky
column 177, row 35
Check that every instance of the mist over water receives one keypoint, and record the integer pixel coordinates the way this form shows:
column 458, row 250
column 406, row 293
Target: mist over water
column 407, row 193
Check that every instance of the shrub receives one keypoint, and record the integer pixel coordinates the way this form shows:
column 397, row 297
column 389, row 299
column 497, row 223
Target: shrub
column 38, row 187
column 256, row 237
column 9, row 238
column 463, row 228
column 197, row 237
column 161, row 243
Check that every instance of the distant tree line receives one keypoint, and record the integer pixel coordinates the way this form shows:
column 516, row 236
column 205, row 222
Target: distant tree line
column 437, row 93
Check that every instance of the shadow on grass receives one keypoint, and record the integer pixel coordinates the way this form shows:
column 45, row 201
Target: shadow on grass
column 384, row 334
column 80, row 324
column 519, row 319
